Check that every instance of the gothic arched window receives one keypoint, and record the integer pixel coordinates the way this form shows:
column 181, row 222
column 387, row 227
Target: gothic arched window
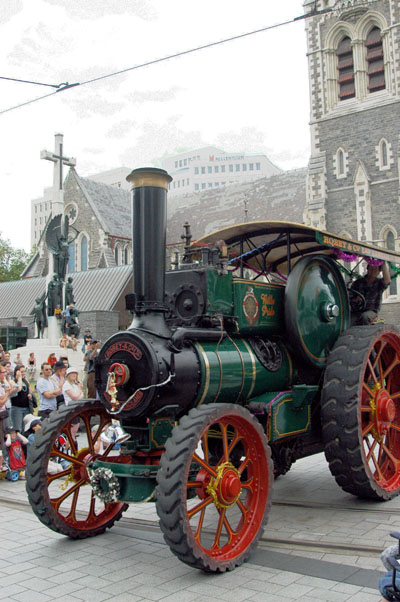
column 384, row 154
column 84, row 253
column 71, row 260
column 126, row 256
column 346, row 69
column 340, row 156
column 116, row 254
column 376, row 69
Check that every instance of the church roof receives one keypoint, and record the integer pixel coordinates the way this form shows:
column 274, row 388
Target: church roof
column 280, row 198
column 111, row 204
column 94, row 290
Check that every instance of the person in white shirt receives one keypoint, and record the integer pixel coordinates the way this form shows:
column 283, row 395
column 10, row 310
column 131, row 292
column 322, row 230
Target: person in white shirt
column 72, row 389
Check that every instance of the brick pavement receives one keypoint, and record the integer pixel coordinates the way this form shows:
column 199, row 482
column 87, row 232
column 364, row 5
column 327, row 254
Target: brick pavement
column 119, row 565
column 37, row 564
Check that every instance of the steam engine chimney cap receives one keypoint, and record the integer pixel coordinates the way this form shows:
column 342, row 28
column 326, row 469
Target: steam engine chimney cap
column 149, row 176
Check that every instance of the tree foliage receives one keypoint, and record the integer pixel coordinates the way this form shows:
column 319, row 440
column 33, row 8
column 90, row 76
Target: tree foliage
column 12, row 261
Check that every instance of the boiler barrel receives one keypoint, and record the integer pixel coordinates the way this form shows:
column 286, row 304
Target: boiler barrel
column 231, row 372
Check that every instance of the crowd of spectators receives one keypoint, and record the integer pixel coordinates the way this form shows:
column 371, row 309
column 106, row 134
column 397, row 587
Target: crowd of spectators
column 28, row 395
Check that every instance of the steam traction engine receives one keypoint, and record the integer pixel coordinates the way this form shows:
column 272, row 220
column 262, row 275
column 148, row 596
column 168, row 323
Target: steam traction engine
column 237, row 363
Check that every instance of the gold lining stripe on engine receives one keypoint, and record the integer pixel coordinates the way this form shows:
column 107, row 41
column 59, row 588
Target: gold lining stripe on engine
column 243, row 368
column 207, row 379
column 253, row 365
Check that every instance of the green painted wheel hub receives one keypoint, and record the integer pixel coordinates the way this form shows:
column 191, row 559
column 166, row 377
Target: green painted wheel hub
column 316, row 308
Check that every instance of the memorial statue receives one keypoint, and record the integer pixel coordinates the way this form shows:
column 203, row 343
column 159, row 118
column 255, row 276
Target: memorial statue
column 58, row 241
column 54, row 294
column 40, row 318
column 69, row 293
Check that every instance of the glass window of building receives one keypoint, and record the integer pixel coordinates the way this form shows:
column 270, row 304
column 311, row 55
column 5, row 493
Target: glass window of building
column 237, row 166
column 71, row 260
column 230, row 167
column 196, row 187
column 244, row 167
column 180, row 163
column 251, row 166
column 196, row 170
column 210, row 184
column 209, row 169
column 203, row 186
column 223, row 168
column 376, row 68
column 84, row 253
column 126, row 256
column 185, row 161
column 176, row 163
column 216, row 184
column 345, row 69
column 216, row 169
column 203, row 170
column 258, row 165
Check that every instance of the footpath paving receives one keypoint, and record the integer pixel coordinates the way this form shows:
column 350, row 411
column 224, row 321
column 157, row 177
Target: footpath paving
column 133, row 564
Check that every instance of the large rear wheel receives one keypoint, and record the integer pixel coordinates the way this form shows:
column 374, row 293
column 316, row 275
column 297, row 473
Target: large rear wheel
column 360, row 411
column 214, row 487
column 57, row 479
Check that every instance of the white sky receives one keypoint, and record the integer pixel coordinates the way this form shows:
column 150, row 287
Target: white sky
column 248, row 95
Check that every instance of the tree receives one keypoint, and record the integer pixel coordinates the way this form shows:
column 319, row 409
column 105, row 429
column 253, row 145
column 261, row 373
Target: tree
column 12, row 261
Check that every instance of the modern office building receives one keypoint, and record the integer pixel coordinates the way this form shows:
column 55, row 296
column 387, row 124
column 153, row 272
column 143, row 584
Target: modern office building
column 210, row 167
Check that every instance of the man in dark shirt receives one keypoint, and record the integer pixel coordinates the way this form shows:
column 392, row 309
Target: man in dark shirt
column 371, row 287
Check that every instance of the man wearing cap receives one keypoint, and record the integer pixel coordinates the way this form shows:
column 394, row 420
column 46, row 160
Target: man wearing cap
column 87, row 336
column 48, row 390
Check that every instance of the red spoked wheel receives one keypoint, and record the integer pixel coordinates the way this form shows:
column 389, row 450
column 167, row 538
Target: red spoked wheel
column 361, row 412
column 214, row 487
column 57, row 476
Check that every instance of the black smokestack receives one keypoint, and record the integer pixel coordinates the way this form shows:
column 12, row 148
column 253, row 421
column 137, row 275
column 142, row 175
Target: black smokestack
column 149, row 215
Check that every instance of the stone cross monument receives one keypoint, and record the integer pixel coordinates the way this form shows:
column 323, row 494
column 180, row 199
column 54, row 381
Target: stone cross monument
column 59, row 160
column 57, row 209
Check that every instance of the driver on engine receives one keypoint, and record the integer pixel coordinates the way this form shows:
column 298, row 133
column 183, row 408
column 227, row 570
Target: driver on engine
column 371, row 289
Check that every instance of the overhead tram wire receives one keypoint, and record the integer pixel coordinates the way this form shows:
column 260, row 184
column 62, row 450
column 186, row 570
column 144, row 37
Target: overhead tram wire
column 67, row 86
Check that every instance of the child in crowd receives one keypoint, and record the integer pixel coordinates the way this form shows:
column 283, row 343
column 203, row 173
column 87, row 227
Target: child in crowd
column 32, row 425
column 14, row 441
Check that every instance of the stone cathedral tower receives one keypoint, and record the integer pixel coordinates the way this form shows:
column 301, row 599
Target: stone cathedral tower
column 354, row 71
column 354, row 67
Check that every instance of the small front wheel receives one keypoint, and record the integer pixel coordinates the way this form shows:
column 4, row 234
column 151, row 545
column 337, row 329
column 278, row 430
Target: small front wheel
column 57, row 475
column 214, row 487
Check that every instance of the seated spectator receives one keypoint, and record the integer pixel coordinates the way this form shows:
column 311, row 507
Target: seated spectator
column 31, row 368
column 73, row 342
column 18, row 360
column 64, row 341
column 31, row 425
column 58, row 312
column 52, row 359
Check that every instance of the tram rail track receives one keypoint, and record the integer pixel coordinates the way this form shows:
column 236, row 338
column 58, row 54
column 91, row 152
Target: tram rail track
column 144, row 525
